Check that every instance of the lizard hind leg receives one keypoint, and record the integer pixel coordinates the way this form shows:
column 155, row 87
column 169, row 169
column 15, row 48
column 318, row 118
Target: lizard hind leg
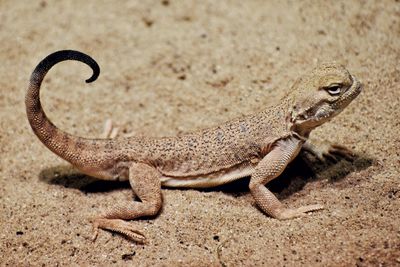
column 145, row 182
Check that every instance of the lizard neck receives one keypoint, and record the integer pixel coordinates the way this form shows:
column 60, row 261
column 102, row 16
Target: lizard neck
column 288, row 105
column 274, row 122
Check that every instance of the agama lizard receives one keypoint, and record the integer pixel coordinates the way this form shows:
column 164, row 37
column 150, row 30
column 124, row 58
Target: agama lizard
column 259, row 145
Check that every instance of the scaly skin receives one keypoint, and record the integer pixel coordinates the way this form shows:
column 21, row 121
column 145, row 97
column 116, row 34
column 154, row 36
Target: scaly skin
column 259, row 145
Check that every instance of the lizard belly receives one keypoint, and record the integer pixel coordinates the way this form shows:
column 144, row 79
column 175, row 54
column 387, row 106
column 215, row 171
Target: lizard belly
column 210, row 179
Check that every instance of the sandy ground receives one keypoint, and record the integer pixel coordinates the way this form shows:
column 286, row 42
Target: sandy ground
column 175, row 66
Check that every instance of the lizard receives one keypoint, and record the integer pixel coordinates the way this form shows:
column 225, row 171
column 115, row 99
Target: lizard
column 259, row 145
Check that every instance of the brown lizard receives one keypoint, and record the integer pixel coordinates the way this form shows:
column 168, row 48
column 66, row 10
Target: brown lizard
column 259, row 145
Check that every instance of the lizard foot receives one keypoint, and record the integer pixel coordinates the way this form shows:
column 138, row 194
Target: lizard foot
column 109, row 131
column 286, row 214
column 119, row 226
column 330, row 152
column 341, row 151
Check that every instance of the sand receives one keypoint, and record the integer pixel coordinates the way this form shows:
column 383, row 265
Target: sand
column 175, row 66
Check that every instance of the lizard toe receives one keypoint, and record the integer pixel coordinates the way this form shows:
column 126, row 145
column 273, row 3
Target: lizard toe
column 342, row 151
column 298, row 212
column 120, row 226
column 109, row 131
column 310, row 208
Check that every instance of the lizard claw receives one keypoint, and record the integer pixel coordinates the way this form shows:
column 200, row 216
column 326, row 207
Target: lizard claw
column 286, row 214
column 111, row 132
column 95, row 225
column 330, row 152
column 119, row 226
column 342, row 151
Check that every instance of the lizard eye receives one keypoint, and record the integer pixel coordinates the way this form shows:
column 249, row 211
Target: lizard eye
column 334, row 89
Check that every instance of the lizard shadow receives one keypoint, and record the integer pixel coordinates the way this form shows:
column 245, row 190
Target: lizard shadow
column 293, row 179
column 68, row 177
column 300, row 172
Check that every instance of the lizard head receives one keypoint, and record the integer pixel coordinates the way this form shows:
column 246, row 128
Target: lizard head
column 321, row 95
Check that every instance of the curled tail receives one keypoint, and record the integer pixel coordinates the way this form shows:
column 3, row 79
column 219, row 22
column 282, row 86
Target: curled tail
column 61, row 143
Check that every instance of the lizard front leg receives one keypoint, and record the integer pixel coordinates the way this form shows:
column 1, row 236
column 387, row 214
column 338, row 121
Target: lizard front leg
column 145, row 182
column 270, row 167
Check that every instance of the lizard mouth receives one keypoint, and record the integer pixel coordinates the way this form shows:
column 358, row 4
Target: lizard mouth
column 327, row 110
column 352, row 92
